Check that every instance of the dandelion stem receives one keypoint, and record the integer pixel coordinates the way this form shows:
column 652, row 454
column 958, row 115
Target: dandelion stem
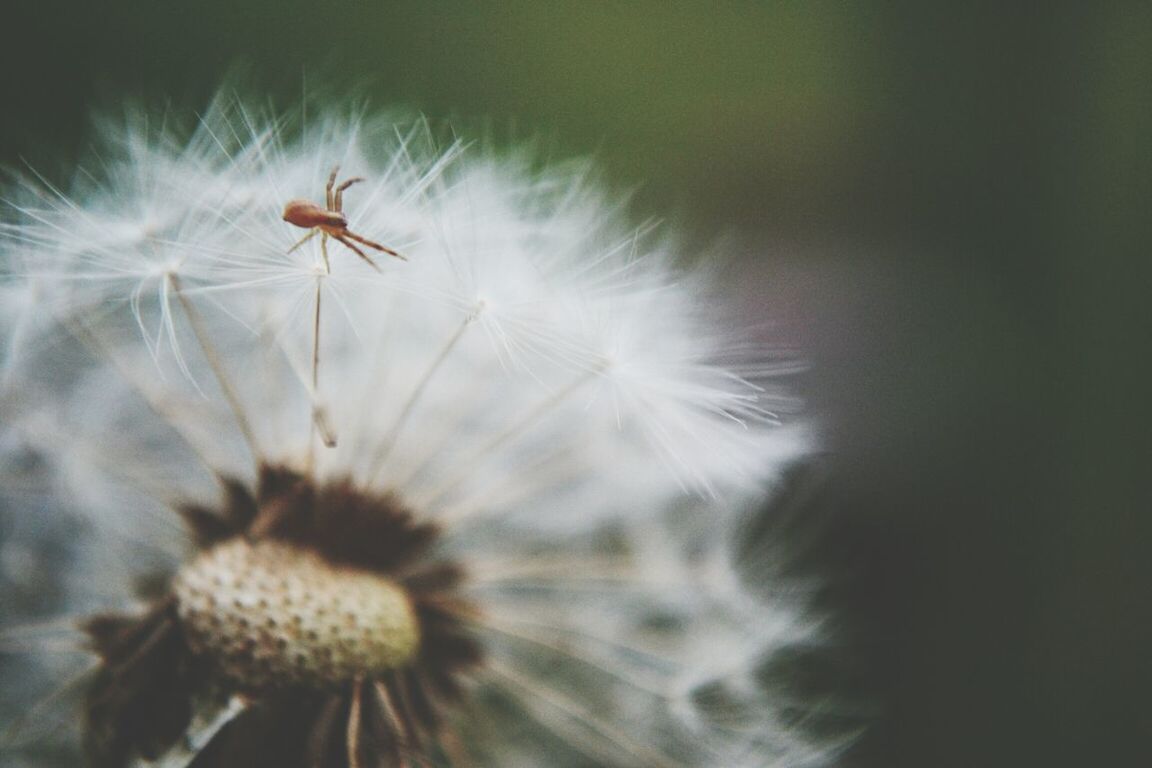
column 652, row 687
column 197, row 323
column 353, row 733
column 77, row 446
column 452, row 747
column 399, row 724
column 389, row 441
column 60, row 646
column 66, row 624
column 87, row 336
column 11, row 731
column 316, row 341
column 552, row 472
column 466, row 465
column 578, row 713
column 316, row 420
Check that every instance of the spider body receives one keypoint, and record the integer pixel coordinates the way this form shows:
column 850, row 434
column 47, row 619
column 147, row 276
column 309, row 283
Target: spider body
column 331, row 222
column 308, row 215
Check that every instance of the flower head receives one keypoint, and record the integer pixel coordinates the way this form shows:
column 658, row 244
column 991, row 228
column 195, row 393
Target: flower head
column 474, row 505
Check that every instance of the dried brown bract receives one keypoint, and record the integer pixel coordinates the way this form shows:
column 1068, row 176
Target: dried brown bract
column 321, row 606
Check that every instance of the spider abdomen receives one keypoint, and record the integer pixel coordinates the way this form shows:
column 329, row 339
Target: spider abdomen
column 303, row 213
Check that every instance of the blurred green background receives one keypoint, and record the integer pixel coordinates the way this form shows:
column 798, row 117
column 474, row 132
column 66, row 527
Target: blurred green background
column 944, row 204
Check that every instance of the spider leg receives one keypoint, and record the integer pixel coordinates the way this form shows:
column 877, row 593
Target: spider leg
column 339, row 202
column 328, row 189
column 304, row 239
column 371, row 244
column 359, row 252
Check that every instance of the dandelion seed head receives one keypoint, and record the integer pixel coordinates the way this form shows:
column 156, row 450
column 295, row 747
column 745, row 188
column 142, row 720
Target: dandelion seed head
column 477, row 504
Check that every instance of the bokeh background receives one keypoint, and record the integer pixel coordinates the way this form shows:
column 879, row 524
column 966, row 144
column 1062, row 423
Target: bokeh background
column 946, row 205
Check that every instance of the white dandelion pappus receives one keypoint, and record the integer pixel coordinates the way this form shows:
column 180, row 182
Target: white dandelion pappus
column 476, row 507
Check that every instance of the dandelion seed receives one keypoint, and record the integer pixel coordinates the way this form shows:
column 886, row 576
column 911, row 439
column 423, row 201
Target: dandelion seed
column 422, row 512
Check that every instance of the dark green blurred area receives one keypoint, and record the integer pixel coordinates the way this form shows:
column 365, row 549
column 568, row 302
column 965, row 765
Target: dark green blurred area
column 947, row 205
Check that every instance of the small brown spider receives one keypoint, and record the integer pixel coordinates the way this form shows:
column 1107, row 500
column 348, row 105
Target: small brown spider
column 331, row 222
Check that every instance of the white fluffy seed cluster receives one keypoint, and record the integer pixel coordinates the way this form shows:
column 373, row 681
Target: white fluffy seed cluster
column 273, row 614
column 579, row 418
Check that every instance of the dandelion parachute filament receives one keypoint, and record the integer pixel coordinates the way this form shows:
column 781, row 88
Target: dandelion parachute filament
column 535, row 387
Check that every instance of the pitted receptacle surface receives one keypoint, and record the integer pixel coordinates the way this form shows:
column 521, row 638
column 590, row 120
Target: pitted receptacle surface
column 272, row 614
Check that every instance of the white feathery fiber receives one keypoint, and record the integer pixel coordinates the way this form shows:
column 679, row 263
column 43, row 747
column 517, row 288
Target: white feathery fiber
column 538, row 376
